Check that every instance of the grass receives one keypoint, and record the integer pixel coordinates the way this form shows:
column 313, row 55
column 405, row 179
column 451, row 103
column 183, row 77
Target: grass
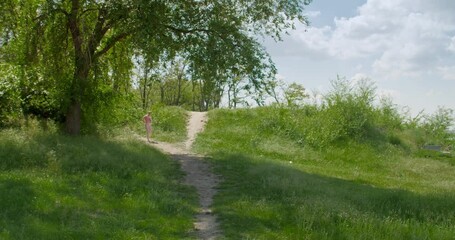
column 275, row 187
column 58, row 187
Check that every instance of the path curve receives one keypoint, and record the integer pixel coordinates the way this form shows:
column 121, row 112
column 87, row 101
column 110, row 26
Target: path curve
column 198, row 174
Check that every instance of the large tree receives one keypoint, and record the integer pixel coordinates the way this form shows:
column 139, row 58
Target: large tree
column 214, row 35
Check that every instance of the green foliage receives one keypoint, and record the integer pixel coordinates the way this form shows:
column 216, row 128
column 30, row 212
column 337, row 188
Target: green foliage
column 387, row 115
column 169, row 119
column 9, row 96
column 168, row 83
column 38, row 97
column 79, row 50
column 346, row 113
column 434, row 129
column 295, row 94
column 54, row 186
column 437, row 126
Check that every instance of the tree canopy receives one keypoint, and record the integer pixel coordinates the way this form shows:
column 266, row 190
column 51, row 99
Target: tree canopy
column 73, row 50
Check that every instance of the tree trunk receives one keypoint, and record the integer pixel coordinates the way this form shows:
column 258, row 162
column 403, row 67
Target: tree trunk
column 73, row 118
column 144, row 93
column 193, row 93
column 74, row 112
column 179, row 89
column 162, row 92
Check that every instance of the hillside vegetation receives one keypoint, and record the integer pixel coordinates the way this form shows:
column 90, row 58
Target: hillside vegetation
column 345, row 169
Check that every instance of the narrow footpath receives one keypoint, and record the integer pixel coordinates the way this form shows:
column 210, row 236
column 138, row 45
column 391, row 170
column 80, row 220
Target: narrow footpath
column 198, row 174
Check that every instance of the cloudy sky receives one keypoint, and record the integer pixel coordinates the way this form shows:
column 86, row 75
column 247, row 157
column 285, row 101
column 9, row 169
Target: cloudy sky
column 407, row 47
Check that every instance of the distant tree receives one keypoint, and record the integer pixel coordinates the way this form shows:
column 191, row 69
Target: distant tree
column 145, row 79
column 437, row 126
column 174, row 82
column 273, row 87
column 295, row 94
column 233, row 91
column 77, row 35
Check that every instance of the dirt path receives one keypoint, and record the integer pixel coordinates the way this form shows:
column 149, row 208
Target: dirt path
column 198, row 175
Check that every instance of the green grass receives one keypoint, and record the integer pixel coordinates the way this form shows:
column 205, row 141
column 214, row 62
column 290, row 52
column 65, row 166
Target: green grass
column 59, row 187
column 275, row 187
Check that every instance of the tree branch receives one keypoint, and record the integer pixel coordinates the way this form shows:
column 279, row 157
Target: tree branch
column 98, row 32
column 113, row 40
column 103, row 25
column 75, row 28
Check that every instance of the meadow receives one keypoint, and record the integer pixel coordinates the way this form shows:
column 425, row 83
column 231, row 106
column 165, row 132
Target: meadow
column 109, row 186
column 277, row 186
column 347, row 169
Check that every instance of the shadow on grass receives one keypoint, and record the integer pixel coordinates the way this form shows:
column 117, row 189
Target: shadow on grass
column 265, row 199
column 16, row 198
column 88, row 188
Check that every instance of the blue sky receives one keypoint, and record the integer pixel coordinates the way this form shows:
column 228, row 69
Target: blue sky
column 407, row 47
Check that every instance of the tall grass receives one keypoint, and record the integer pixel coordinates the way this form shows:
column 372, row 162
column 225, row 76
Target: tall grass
column 279, row 186
column 58, row 187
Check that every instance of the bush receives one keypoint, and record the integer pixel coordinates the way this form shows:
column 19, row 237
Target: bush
column 387, row 117
column 346, row 113
column 169, row 119
column 437, row 127
column 9, row 96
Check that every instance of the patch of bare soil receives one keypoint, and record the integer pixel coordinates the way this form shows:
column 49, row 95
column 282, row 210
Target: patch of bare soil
column 198, row 174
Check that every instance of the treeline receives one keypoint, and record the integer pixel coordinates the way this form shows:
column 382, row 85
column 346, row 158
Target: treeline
column 128, row 87
column 74, row 61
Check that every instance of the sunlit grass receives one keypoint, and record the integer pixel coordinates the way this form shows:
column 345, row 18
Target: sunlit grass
column 60, row 187
column 275, row 187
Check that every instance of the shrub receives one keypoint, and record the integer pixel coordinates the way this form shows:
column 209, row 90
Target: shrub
column 346, row 113
column 9, row 96
column 437, row 127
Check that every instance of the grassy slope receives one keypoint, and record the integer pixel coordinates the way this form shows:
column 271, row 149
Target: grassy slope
column 274, row 188
column 59, row 187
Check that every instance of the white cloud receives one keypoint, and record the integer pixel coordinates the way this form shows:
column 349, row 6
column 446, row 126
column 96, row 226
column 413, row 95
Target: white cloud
column 447, row 72
column 387, row 93
column 430, row 93
column 402, row 38
column 358, row 77
column 315, row 38
column 313, row 14
column 280, row 77
column 406, row 46
column 452, row 44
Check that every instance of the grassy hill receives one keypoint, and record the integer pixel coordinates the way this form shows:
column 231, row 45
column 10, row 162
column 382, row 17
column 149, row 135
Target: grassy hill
column 277, row 185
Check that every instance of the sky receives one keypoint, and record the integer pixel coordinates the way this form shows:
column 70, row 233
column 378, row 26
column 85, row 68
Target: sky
column 407, row 47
